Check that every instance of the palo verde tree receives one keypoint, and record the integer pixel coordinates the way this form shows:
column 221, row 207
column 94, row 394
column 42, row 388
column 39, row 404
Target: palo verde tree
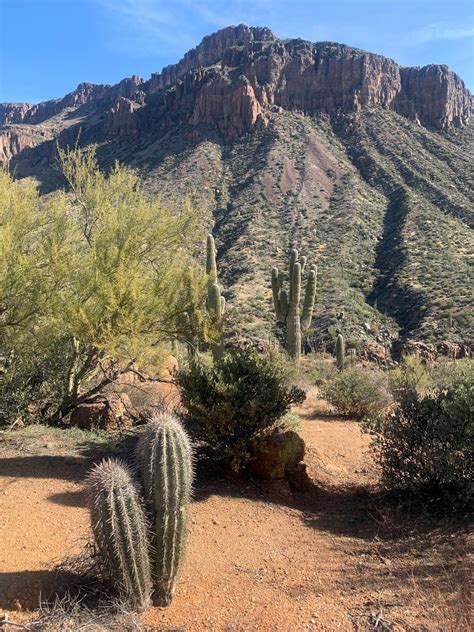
column 93, row 280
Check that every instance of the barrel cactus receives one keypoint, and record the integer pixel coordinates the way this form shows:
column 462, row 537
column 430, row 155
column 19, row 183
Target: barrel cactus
column 165, row 458
column 287, row 304
column 120, row 531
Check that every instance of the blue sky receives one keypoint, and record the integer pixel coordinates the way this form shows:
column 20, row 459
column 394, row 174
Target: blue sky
column 47, row 47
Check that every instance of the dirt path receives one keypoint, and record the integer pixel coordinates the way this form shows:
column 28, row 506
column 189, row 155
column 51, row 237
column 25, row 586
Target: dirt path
column 259, row 558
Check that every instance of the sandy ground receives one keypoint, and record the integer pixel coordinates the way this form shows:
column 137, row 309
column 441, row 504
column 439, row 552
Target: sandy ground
column 259, row 557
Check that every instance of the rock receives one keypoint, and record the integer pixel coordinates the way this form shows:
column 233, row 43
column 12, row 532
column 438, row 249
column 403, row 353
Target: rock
column 282, row 451
column 434, row 96
column 122, row 118
column 298, row 478
column 113, row 411
column 236, row 77
column 15, row 140
column 84, row 94
column 230, row 107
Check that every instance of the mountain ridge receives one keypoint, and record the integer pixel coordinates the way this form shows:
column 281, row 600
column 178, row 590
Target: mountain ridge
column 364, row 165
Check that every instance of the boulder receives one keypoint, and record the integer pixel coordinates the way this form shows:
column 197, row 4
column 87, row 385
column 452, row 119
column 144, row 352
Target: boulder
column 280, row 454
column 113, row 411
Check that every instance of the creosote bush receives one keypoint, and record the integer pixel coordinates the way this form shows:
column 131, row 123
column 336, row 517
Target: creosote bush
column 426, row 443
column 233, row 405
column 358, row 391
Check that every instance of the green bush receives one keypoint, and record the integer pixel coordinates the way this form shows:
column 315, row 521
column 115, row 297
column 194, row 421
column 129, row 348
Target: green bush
column 358, row 392
column 410, row 377
column 426, row 443
column 233, row 405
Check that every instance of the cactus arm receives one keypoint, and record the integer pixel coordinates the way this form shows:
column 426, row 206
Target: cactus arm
column 302, row 263
column 211, row 265
column 284, row 304
column 276, row 285
column 308, row 304
column 293, row 260
column 340, row 352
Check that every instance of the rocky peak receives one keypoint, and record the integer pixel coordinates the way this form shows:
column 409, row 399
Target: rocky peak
column 234, row 77
column 210, row 51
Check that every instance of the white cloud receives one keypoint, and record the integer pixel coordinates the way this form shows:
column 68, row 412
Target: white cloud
column 438, row 32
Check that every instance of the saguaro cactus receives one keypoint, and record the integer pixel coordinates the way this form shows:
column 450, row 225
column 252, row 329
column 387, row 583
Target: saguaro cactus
column 340, row 352
column 215, row 302
column 165, row 460
column 294, row 319
column 121, row 531
column 287, row 306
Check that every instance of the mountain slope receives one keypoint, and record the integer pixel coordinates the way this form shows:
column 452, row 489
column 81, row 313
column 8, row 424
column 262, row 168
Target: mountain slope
column 365, row 166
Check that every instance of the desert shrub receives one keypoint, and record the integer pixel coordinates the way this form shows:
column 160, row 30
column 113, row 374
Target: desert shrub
column 234, row 404
column 426, row 442
column 448, row 373
column 358, row 392
column 410, row 377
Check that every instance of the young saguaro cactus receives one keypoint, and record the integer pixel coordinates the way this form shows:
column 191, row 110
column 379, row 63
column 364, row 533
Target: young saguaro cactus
column 215, row 302
column 120, row 531
column 340, row 352
column 165, row 457
column 287, row 305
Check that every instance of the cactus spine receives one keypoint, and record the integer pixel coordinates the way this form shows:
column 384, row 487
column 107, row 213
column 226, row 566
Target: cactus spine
column 120, row 531
column 215, row 302
column 287, row 305
column 165, row 459
column 340, row 352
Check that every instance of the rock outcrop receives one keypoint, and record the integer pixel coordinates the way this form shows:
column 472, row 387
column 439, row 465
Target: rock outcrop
column 13, row 141
column 122, row 119
column 84, row 94
column 233, row 78
column 434, row 96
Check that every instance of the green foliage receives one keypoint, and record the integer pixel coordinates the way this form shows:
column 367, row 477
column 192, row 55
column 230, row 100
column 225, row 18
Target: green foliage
column 232, row 406
column 89, row 281
column 165, row 460
column 410, row 377
column 287, row 306
column 358, row 392
column 425, row 444
column 120, row 531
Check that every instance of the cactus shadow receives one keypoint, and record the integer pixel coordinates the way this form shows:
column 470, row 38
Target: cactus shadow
column 44, row 466
column 29, row 589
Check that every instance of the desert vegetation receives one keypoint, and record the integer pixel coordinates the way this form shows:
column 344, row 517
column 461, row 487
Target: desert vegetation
column 105, row 292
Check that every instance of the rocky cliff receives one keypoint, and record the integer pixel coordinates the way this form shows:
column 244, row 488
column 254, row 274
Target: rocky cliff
column 234, row 76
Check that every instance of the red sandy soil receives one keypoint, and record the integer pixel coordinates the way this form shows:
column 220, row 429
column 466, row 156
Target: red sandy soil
column 260, row 557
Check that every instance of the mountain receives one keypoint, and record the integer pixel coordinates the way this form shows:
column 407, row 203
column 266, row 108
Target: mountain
column 364, row 165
